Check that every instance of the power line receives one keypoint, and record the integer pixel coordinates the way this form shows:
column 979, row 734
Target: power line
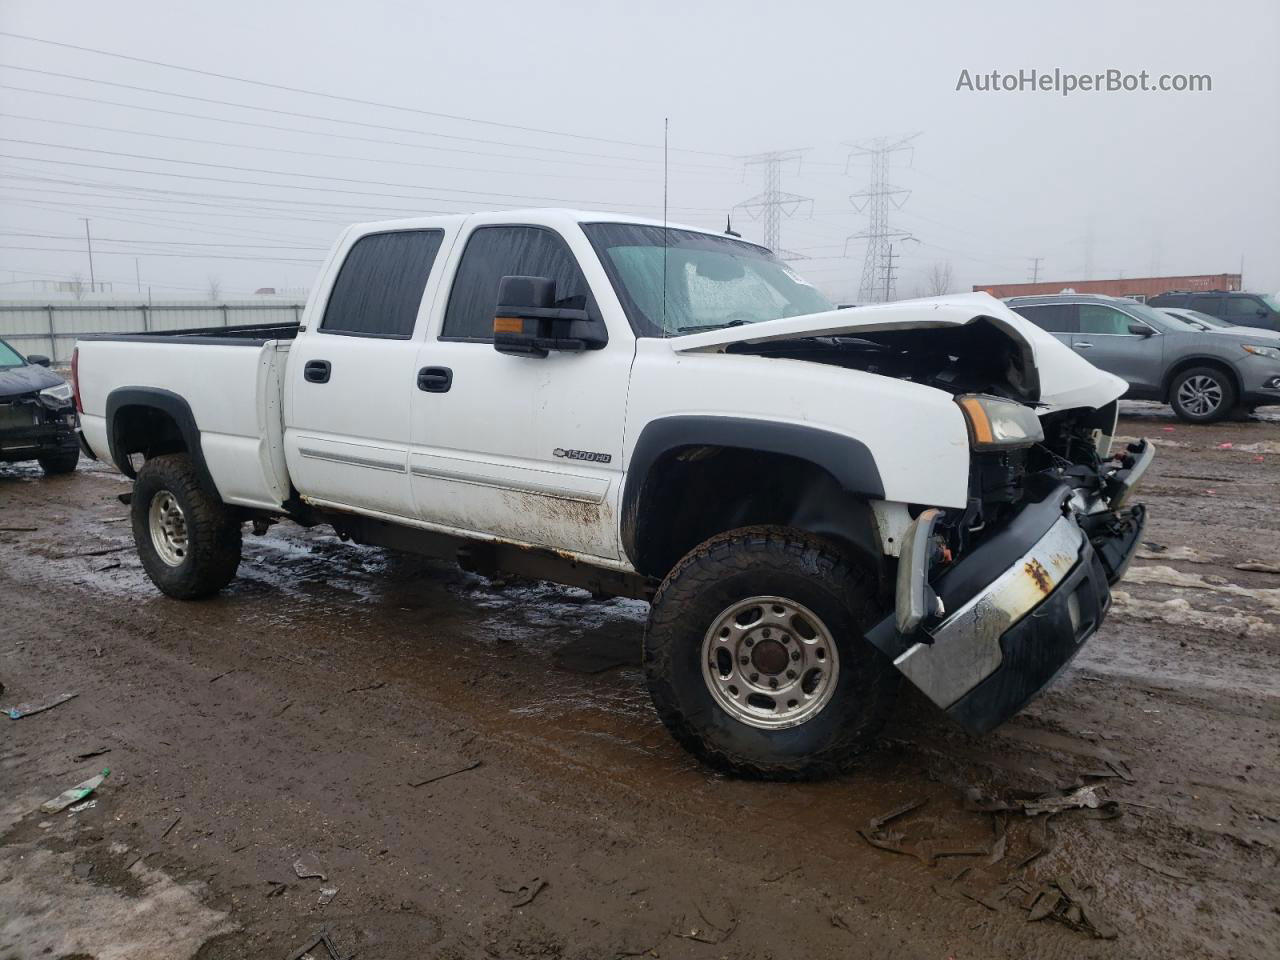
column 347, row 99
column 180, row 243
column 315, row 133
column 490, row 195
column 132, row 253
column 313, row 153
column 327, row 119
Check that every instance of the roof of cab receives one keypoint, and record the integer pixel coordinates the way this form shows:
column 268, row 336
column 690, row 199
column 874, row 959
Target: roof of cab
column 543, row 216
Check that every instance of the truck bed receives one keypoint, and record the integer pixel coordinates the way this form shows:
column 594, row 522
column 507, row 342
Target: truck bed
column 230, row 378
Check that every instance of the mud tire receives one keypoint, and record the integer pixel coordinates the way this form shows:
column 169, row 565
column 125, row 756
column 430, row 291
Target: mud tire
column 768, row 561
column 56, row 463
column 213, row 533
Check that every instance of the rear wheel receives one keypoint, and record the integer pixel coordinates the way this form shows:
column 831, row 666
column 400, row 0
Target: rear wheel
column 1202, row 394
column 62, row 462
column 755, row 656
column 188, row 540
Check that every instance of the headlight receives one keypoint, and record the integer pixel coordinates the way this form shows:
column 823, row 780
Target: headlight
column 56, row 395
column 1272, row 353
column 996, row 424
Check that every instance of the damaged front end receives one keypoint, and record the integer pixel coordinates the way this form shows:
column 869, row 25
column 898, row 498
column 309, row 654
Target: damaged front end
column 992, row 602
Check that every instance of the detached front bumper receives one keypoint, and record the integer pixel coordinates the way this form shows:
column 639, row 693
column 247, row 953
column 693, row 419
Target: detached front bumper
column 1018, row 607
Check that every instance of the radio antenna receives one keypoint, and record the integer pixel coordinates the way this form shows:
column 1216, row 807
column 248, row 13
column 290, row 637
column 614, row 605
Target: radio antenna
column 666, row 127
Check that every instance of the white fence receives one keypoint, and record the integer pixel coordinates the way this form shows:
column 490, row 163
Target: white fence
column 51, row 328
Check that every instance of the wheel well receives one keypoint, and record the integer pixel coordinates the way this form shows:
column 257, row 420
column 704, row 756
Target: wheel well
column 695, row 492
column 147, row 430
column 1183, row 365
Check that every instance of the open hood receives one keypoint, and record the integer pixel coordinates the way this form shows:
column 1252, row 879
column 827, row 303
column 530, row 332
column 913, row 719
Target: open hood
column 1039, row 368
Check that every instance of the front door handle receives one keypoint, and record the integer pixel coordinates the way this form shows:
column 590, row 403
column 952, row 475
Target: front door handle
column 1083, row 346
column 435, row 379
column 316, row 371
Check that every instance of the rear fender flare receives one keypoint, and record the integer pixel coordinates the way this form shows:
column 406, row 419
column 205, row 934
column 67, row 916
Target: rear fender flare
column 169, row 403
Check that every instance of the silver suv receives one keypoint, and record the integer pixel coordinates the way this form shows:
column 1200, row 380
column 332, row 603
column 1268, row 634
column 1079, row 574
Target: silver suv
column 1204, row 375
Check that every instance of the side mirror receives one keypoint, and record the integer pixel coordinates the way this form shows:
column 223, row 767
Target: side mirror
column 527, row 322
column 1140, row 330
column 39, row 359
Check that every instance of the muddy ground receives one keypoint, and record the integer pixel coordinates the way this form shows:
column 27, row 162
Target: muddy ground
column 306, row 711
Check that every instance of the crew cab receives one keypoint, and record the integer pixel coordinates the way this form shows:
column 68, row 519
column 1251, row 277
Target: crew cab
column 815, row 502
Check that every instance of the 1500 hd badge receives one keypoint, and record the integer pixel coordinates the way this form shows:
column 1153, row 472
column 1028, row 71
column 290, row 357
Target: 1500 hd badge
column 582, row 455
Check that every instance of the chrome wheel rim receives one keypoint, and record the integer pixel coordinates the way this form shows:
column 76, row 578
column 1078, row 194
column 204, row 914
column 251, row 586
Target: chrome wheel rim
column 1200, row 395
column 168, row 528
column 770, row 662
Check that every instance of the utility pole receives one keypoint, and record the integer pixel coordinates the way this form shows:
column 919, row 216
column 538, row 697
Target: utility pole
column 137, row 274
column 890, row 273
column 773, row 203
column 89, row 243
column 876, row 200
column 1035, row 268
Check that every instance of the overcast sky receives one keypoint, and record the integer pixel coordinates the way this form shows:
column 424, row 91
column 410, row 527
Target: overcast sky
column 1118, row 183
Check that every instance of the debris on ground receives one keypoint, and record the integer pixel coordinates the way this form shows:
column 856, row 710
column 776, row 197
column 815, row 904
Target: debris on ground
column 712, row 929
column 524, row 892
column 326, row 896
column 90, row 754
column 307, row 866
column 18, row 529
column 74, row 795
column 443, row 774
column 1090, row 797
column 322, row 942
column 27, row 709
column 926, row 851
column 86, row 805
column 169, row 829
column 1063, row 901
column 1173, row 873
column 376, row 685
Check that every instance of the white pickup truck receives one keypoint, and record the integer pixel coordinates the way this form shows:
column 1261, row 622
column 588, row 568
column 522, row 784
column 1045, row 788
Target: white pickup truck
column 814, row 501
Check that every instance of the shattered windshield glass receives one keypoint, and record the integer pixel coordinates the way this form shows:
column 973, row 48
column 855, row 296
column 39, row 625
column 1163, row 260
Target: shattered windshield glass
column 711, row 281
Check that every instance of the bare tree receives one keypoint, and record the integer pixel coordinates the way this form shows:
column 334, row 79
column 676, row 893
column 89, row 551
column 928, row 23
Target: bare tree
column 215, row 287
column 938, row 281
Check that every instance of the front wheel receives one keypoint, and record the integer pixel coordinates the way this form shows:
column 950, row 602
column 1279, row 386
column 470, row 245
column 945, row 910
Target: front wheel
column 756, row 660
column 187, row 539
column 1202, row 395
column 63, row 461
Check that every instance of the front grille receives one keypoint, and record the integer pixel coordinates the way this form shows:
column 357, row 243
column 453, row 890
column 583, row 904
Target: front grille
column 17, row 416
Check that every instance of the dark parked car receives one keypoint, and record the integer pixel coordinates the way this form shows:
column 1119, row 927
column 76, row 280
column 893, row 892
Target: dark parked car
column 1242, row 309
column 37, row 413
column 1203, row 374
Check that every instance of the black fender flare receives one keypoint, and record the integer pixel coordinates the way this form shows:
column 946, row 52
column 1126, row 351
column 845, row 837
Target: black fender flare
column 168, row 403
column 847, row 459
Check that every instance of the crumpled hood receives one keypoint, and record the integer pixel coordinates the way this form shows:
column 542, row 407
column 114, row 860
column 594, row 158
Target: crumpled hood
column 15, row 381
column 1065, row 379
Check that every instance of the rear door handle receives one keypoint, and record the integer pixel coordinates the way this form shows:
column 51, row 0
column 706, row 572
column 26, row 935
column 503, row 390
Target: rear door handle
column 435, row 379
column 1083, row 346
column 316, row 371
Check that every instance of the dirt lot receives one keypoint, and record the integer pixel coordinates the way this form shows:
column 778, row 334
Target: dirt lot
column 306, row 711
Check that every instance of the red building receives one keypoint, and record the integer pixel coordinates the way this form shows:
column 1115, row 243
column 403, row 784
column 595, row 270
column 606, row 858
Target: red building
column 1139, row 288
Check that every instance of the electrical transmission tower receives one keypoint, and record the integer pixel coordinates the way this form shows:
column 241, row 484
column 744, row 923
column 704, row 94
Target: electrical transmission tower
column 876, row 200
column 1035, row 269
column 772, row 203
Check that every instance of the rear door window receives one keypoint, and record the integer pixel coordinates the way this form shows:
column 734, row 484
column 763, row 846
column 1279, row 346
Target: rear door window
column 509, row 251
column 1209, row 305
column 1096, row 318
column 1242, row 308
column 379, row 288
column 1053, row 317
